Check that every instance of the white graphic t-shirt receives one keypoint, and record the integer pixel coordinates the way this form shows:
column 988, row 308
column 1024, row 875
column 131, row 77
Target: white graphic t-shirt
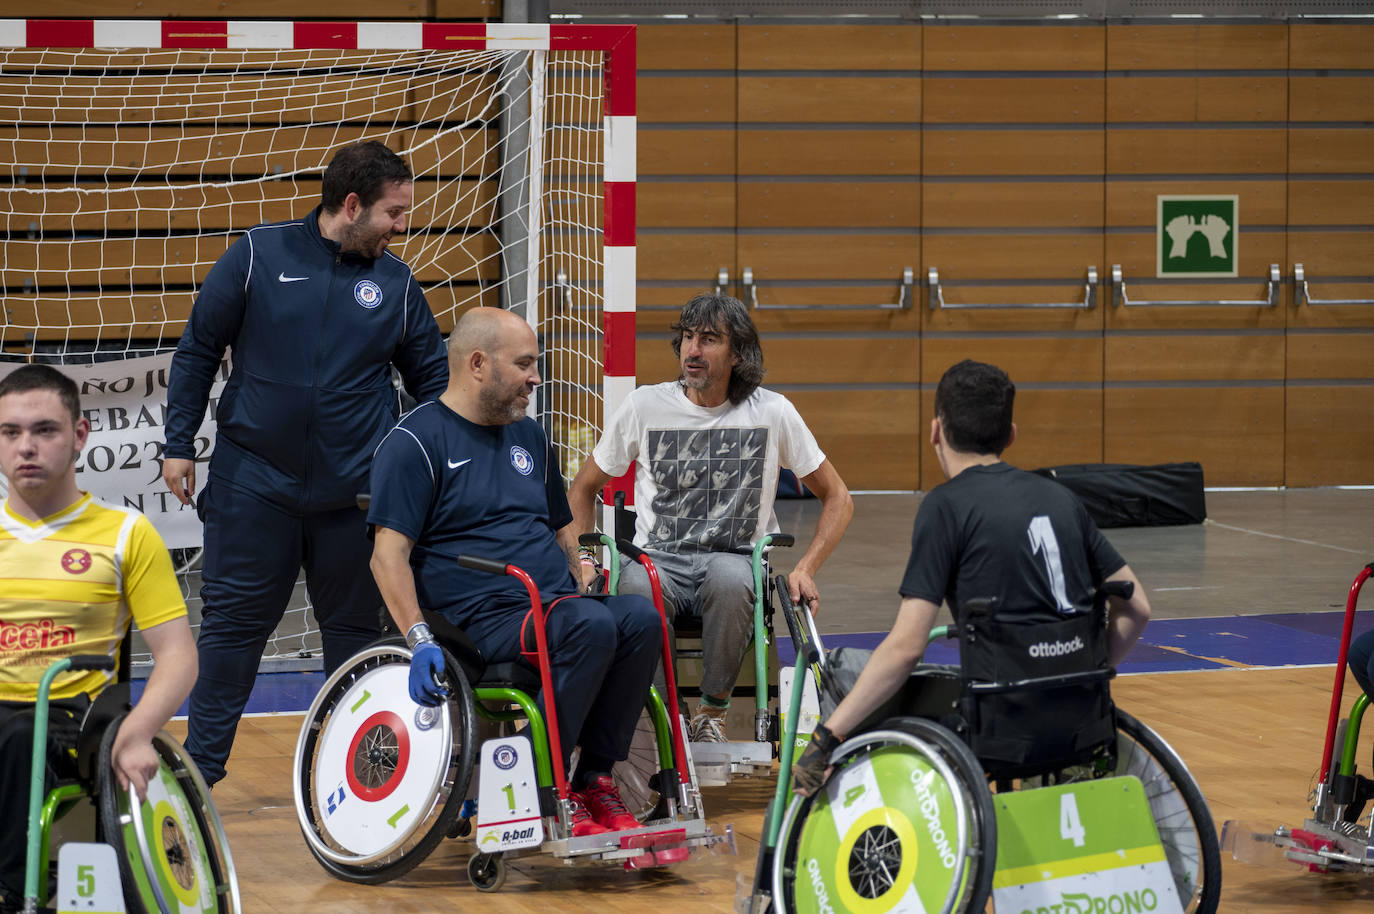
column 705, row 478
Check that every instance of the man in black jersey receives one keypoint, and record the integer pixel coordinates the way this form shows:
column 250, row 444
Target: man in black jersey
column 990, row 530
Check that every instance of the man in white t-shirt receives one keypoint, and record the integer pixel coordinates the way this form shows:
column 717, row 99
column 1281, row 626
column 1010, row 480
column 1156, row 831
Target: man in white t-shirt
column 707, row 449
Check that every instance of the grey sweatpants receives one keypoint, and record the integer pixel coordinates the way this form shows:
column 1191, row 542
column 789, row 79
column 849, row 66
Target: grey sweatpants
column 719, row 587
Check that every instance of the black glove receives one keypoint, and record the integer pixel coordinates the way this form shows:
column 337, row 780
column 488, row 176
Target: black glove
column 808, row 774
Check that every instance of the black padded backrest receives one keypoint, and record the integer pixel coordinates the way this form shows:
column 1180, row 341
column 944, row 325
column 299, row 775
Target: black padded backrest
column 113, row 700
column 109, row 704
column 1024, row 719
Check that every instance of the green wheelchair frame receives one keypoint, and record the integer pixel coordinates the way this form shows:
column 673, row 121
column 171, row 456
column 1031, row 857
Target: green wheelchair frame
column 766, row 724
column 1182, row 826
column 163, row 872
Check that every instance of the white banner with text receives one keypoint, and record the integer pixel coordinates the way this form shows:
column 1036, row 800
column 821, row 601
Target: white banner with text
column 126, row 403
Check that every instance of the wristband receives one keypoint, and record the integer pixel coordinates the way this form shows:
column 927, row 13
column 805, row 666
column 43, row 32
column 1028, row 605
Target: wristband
column 824, row 740
column 419, row 634
column 589, row 560
column 587, row 551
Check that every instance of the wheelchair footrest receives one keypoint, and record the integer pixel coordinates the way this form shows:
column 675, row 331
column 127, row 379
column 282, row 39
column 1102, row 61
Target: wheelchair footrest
column 652, row 841
column 659, row 848
column 1318, row 846
column 717, row 762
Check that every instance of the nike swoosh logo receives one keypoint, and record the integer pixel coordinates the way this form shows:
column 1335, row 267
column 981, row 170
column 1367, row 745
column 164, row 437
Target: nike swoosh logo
column 282, row 277
column 454, row 466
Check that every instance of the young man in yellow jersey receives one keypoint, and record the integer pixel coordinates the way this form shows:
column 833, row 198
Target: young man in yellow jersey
column 73, row 571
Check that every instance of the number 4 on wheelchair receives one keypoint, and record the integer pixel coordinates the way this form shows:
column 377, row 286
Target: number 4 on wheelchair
column 1092, row 812
column 165, row 852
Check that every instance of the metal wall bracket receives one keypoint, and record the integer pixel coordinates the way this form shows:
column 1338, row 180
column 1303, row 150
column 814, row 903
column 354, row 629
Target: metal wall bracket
column 560, row 281
column 1271, row 299
column 936, row 297
column 904, row 297
column 723, row 282
column 1301, row 296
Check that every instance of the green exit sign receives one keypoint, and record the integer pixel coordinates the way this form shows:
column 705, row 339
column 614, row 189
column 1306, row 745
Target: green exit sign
column 1197, row 235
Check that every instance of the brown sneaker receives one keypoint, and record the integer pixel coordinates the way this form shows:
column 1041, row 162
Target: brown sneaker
column 708, row 725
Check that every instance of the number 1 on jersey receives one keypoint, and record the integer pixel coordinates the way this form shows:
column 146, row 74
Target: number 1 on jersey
column 1046, row 544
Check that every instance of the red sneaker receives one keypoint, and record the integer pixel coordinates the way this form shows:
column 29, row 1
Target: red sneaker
column 582, row 822
column 604, row 803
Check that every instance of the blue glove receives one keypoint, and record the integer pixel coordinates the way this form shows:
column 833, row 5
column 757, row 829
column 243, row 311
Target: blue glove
column 426, row 664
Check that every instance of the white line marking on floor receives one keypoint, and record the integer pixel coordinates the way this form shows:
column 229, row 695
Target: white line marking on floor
column 1290, row 539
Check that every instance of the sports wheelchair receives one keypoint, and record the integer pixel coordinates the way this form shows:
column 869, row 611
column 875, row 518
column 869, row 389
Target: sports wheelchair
column 166, row 853
column 741, row 758
column 1331, row 839
column 379, row 781
column 1012, row 778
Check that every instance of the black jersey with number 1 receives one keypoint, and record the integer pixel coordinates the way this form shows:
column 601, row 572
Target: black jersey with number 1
column 996, row 531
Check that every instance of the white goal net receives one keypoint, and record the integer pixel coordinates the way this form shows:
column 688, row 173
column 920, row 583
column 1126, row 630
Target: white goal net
column 129, row 171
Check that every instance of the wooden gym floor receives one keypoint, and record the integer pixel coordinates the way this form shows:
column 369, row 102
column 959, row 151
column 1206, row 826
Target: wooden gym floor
column 1251, row 735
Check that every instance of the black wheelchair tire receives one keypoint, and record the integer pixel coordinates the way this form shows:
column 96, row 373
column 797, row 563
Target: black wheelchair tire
column 211, row 831
column 1207, row 893
column 463, row 759
column 972, row 785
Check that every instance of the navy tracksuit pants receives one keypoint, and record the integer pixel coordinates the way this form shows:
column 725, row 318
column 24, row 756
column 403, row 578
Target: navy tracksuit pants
column 603, row 651
column 254, row 552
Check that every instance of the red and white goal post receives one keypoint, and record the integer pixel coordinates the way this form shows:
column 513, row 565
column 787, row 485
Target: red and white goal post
column 138, row 150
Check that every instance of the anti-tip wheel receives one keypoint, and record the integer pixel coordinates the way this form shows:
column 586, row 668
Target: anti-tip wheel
column 486, row 872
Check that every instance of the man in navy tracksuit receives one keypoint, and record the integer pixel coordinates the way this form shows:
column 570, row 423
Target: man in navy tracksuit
column 315, row 312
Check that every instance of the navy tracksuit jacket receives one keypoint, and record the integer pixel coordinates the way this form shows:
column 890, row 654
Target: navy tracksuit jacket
column 312, row 333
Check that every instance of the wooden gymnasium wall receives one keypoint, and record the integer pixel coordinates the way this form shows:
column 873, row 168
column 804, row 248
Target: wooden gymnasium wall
column 830, row 159
column 1011, row 159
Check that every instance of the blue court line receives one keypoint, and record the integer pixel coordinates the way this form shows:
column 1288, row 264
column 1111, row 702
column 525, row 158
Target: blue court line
column 1178, row 645
column 273, row 693
column 1168, row 646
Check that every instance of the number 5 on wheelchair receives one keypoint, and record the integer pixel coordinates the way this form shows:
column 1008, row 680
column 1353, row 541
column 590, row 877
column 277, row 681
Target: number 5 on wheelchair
column 164, row 853
column 1104, row 815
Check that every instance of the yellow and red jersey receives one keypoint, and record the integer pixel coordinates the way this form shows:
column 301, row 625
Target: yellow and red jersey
column 69, row 584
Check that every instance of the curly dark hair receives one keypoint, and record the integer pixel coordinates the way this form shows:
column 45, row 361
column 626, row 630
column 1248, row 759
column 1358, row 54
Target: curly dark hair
column 724, row 312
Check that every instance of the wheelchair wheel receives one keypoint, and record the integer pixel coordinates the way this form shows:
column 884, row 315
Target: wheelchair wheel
column 1179, row 809
column 378, row 780
column 634, row 776
column 172, row 850
column 908, row 791
column 1181, row 814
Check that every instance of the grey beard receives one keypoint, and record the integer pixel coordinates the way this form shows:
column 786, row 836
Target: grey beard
column 497, row 411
